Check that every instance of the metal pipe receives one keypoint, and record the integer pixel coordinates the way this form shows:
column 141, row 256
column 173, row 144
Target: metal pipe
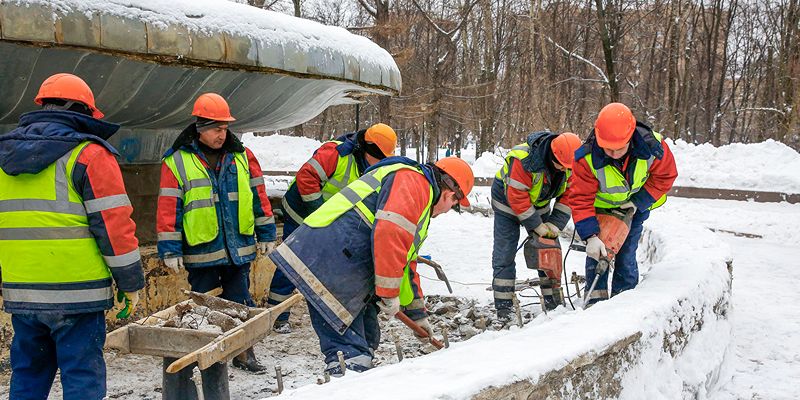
column 279, row 377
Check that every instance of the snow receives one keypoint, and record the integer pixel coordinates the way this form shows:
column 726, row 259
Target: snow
column 688, row 263
column 767, row 166
column 210, row 17
column 279, row 152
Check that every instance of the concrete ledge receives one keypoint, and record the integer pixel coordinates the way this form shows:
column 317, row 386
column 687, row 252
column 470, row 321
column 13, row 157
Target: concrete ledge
column 665, row 339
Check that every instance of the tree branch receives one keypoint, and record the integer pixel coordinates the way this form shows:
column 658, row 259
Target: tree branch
column 369, row 8
column 572, row 54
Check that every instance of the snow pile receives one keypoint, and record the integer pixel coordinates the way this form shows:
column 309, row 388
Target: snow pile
column 211, row 17
column 487, row 165
column 679, row 353
column 280, row 153
column 767, row 166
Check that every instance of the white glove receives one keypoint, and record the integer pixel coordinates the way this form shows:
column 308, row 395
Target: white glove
column 595, row 248
column 389, row 306
column 424, row 324
column 553, row 229
column 541, row 230
column 265, row 248
column 628, row 204
column 175, row 263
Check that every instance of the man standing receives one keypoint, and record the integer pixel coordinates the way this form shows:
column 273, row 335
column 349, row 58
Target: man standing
column 211, row 208
column 357, row 253
column 535, row 172
column 65, row 234
column 625, row 165
column 333, row 166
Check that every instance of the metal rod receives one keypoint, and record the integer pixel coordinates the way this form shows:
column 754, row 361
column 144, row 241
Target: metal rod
column 342, row 365
column 399, row 349
column 517, row 310
column 279, row 377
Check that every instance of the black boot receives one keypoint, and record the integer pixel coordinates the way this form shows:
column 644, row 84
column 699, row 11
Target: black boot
column 554, row 300
column 248, row 362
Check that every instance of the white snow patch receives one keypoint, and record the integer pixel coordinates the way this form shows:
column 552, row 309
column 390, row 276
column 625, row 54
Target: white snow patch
column 767, row 166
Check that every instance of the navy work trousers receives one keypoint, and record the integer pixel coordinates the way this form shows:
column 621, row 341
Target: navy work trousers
column 44, row 343
column 233, row 279
column 357, row 343
column 626, row 268
column 281, row 287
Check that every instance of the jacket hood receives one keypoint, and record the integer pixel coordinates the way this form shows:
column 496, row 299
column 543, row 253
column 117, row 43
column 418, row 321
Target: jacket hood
column 430, row 171
column 353, row 143
column 43, row 137
column 643, row 146
column 187, row 139
column 539, row 156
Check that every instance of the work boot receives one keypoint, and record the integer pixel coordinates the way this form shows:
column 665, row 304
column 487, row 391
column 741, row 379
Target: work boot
column 503, row 319
column 282, row 326
column 551, row 302
column 247, row 361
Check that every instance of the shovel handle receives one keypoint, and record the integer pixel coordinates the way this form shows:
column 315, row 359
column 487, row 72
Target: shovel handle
column 418, row 329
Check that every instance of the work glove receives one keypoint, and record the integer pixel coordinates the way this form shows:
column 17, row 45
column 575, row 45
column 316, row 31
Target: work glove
column 627, row 205
column 175, row 263
column 553, row 230
column 131, row 299
column 265, row 248
column 389, row 306
column 541, row 230
column 424, row 324
column 595, row 248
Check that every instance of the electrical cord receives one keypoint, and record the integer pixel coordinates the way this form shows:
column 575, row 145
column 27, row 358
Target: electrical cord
column 569, row 296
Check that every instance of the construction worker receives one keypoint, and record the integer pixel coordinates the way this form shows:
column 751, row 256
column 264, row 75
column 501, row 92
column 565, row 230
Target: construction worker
column 624, row 165
column 357, row 253
column 65, row 234
column 213, row 210
column 334, row 165
column 534, row 173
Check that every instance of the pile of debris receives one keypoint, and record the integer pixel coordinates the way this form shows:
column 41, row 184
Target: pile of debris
column 207, row 313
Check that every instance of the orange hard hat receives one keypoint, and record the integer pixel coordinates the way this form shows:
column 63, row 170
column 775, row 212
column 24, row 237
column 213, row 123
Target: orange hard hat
column 614, row 126
column 564, row 146
column 383, row 136
column 461, row 172
column 68, row 87
column 212, row 106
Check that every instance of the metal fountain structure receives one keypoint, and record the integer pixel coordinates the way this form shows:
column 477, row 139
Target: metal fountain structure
column 146, row 76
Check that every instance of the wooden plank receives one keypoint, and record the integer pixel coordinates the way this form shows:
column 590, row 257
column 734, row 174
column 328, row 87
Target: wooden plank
column 167, row 342
column 236, row 340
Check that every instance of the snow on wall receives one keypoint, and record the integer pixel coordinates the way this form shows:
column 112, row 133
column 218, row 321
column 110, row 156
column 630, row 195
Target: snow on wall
column 676, row 317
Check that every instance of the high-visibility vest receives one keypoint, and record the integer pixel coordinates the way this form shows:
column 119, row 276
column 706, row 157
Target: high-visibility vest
column 353, row 196
column 200, row 223
column 45, row 241
column 504, row 174
column 614, row 190
column 346, row 172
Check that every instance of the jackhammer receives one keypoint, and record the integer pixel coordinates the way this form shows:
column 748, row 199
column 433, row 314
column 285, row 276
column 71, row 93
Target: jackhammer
column 615, row 224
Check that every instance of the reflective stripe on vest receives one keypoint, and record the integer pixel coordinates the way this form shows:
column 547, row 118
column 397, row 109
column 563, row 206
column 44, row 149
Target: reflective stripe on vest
column 200, row 223
column 614, row 190
column 352, row 197
column 47, row 253
column 519, row 152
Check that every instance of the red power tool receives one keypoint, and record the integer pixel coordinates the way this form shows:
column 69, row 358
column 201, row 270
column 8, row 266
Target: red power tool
column 615, row 224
